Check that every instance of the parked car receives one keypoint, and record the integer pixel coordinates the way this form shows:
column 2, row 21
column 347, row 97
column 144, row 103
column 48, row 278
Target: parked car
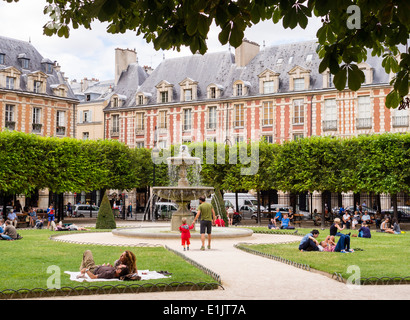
column 402, row 215
column 83, row 210
column 8, row 210
column 164, row 210
column 248, row 212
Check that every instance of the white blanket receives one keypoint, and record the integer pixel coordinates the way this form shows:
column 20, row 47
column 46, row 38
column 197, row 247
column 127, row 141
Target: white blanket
column 144, row 274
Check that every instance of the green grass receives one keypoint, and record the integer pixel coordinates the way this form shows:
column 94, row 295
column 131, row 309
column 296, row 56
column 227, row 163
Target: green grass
column 24, row 263
column 383, row 255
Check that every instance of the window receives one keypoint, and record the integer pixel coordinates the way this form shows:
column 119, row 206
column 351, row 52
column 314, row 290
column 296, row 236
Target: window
column 49, row 68
column 140, row 99
column 297, row 136
column 268, row 139
column 330, row 80
column 25, row 63
column 238, row 139
column 290, row 60
column 239, row 89
column 139, row 121
column 2, row 55
column 212, row 93
column 60, row 123
column 115, row 102
column 364, row 112
column 299, row 84
column 164, row 96
column 212, row 118
column 401, row 118
column 37, row 86
column 115, row 126
column 267, row 113
column 9, row 113
column 162, row 120
column 139, row 144
column 88, row 97
column 298, row 111
column 268, row 87
column 36, row 125
column 187, row 119
column 330, row 122
column 239, row 115
column 10, row 82
column 187, row 94
column 87, row 116
column 86, row 135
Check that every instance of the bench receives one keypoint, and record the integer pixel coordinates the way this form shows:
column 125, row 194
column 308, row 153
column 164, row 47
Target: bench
column 297, row 219
column 21, row 220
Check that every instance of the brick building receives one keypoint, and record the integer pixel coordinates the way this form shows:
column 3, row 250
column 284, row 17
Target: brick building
column 34, row 97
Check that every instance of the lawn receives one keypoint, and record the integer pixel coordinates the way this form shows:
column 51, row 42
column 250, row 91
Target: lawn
column 383, row 255
column 24, row 263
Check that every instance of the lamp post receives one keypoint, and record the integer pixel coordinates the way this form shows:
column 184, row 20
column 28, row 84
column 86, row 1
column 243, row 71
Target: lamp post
column 154, row 155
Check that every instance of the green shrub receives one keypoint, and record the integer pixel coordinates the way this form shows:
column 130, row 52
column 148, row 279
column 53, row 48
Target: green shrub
column 105, row 219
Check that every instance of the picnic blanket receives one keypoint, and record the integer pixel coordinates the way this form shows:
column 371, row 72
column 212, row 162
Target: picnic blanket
column 144, row 274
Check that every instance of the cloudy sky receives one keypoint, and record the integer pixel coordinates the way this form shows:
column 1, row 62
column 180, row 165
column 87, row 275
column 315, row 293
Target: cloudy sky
column 90, row 53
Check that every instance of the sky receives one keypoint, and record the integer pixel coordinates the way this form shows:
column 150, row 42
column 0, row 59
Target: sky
column 90, row 53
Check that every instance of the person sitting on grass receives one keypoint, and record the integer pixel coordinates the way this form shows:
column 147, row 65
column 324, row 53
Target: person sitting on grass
column 10, row 232
column 385, row 226
column 364, row 231
column 335, row 228
column 272, row 224
column 285, row 223
column 309, row 242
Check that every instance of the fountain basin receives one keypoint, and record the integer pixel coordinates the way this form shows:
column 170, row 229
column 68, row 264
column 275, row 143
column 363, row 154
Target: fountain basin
column 166, row 233
column 182, row 194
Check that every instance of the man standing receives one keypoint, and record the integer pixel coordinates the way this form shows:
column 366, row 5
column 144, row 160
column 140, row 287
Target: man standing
column 207, row 213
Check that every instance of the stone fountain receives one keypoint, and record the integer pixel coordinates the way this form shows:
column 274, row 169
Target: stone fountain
column 183, row 192
column 181, row 166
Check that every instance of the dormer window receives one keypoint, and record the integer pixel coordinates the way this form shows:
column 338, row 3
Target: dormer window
column 368, row 72
column 299, row 79
column 10, row 78
column 2, row 58
column 268, row 82
column 61, row 90
column 164, row 92
column 298, row 84
column 241, row 88
column 142, row 98
column 10, row 81
column 189, row 89
column 327, row 79
column 37, row 86
column 214, row 91
column 115, row 102
column 24, row 61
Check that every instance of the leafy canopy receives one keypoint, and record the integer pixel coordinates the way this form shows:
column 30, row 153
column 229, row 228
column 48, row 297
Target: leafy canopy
column 349, row 28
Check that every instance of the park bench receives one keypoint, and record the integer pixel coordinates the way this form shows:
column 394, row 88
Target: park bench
column 22, row 220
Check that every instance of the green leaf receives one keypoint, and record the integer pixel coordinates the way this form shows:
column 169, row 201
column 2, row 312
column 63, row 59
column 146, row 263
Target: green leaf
column 392, row 99
column 355, row 77
column 340, row 79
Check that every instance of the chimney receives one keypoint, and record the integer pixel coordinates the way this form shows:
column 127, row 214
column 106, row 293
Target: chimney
column 123, row 58
column 246, row 52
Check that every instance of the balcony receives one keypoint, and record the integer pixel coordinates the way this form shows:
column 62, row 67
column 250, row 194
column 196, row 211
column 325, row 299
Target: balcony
column 329, row 125
column 139, row 131
column 115, row 133
column 10, row 125
column 363, row 123
column 36, row 127
column 402, row 121
column 60, row 131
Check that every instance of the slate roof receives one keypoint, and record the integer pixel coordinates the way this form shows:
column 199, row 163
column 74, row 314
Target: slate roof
column 13, row 48
column 220, row 69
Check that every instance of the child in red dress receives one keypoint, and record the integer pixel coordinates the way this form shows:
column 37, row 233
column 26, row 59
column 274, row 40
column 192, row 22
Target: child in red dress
column 185, row 233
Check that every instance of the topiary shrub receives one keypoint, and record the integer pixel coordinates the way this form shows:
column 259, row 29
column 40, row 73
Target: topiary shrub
column 105, row 219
